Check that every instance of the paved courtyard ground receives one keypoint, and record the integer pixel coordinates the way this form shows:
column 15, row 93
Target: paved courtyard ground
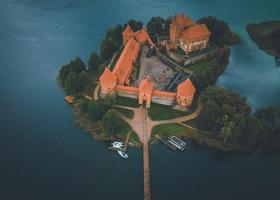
column 160, row 73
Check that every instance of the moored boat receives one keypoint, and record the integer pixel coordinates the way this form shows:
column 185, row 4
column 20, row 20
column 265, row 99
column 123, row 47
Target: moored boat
column 178, row 143
column 123, row 154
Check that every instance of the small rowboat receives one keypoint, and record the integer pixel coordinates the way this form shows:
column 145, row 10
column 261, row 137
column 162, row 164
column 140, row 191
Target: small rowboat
column 122, row 154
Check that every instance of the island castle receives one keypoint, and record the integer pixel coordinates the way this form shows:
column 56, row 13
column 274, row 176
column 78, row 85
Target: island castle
column 187, row 35
column 183, row 33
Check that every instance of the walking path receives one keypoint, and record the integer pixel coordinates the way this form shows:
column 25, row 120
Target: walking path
column 142, row 125
column 96, row 92
column 137, row 122
column 146, row 165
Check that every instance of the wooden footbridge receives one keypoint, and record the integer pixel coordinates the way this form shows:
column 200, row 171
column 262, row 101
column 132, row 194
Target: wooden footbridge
column 146, row 163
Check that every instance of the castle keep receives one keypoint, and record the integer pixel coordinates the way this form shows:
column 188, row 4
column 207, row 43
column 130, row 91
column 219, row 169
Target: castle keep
column 188, row 35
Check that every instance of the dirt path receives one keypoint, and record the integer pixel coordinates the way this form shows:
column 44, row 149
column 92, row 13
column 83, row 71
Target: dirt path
column 142, row 125
column 138, row 121
column 96, row 92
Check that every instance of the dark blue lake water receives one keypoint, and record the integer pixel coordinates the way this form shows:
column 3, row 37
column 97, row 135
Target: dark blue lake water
column 45, row 156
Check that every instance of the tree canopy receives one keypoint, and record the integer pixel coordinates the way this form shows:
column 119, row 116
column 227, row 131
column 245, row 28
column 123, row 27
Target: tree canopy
column 134, row 24
column 207, row 72
column 155, row 25
column 74, row 76
column 228, row 115
column 224, row 113
column 112, row 42
column 220, row 31
column 111, row 123
column 158, row 25
column 94, row 62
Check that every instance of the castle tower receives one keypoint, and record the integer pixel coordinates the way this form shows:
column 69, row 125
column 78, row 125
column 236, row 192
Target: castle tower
column 145, row 92
column 108, row 82
column 185, row 93
column 127, row 34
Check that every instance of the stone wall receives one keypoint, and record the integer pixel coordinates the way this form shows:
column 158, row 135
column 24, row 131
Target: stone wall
column 163, row 100
column 128, row 94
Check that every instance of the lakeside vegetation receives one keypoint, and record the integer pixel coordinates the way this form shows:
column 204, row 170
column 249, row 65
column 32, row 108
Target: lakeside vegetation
column 229, row 117
column 221, row 34
column 207, row 72
column 78, row 79
column 163, row 112
column 226, row 120
column 266, row 35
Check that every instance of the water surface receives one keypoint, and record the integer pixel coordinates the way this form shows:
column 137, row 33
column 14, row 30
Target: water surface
column 44, row 155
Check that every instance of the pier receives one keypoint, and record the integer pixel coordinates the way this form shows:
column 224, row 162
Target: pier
column 172, row 147
column 126, row 141
column 146, row 163
column 125, row 144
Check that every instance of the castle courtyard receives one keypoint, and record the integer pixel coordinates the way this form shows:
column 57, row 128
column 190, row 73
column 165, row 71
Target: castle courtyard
column 160, row 73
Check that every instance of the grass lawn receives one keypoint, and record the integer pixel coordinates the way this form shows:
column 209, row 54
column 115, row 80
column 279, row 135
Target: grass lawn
column 166, row 130
column 200, row 66
column 134, row 137
column 124, row 129
column 128, row 113
column 124, row 101
column 162, row 112
column 137, row 71
column 201, row 137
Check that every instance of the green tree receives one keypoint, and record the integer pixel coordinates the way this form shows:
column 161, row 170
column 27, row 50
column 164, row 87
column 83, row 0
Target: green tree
column 63, row 72
column 134, row 24
column 166, row 25
column 84, row 106
column 111, row 122
column 77, row 65
column 70, row 83
column 220, row 32
column 76, row 83
column 108, row 48
column 155, row 25
column 96, row 110
column 224, row 113
column 83, row 81
column 94, row 62
column 225, row 134
column 109, row 101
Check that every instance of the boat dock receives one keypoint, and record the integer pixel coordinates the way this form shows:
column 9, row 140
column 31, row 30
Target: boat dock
column 146, row 162
column 126, row 142
column 124, row 149
column 169, row 145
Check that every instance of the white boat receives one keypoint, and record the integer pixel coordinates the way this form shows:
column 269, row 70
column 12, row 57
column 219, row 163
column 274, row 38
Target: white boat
column 117, row 146
column 117, row 143
column 122, row 154
column 178, row 143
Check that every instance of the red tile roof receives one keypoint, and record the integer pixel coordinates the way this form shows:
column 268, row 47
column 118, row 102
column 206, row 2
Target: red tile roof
column 196, row 31
column 186, row 89
column 143, row 36
column 126, row 60
column 146, row 86
column 70, row 99
column 182, row 20
column 108, row 79
column 128, row 31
